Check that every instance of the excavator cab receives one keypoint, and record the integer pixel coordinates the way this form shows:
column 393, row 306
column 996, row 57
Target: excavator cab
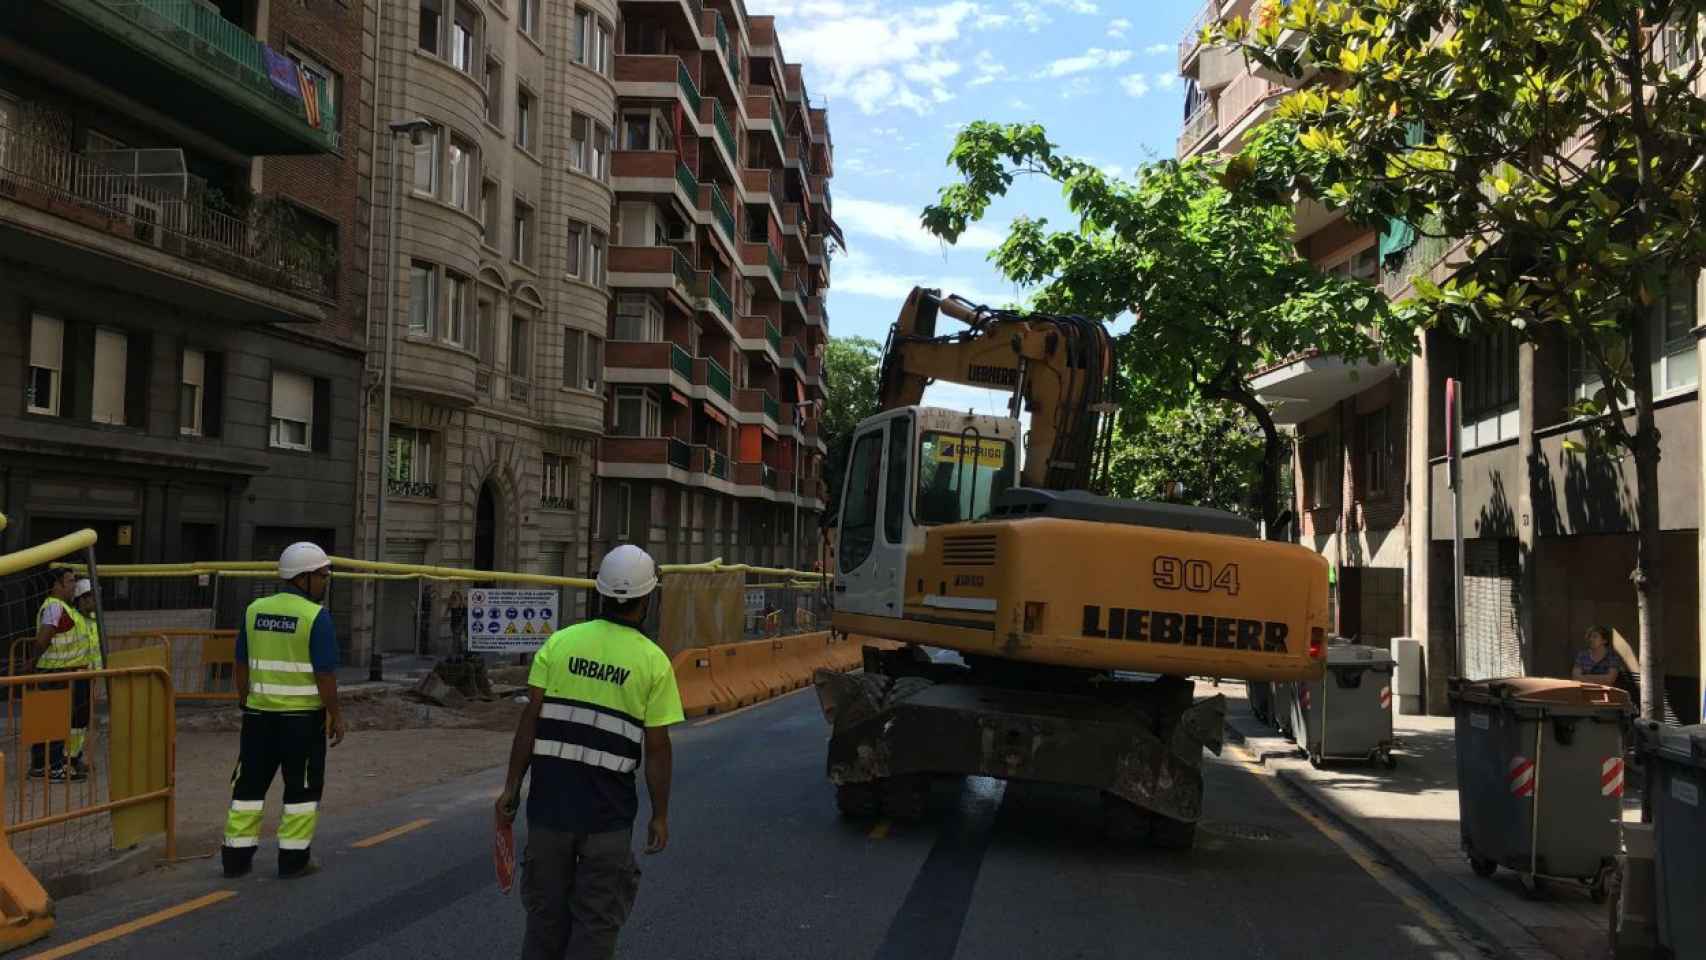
column 911, row 468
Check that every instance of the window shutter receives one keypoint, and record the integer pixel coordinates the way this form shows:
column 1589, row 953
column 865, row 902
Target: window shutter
column 212, row 393
column 322, row 427
column 76, row 393
column 138, row 352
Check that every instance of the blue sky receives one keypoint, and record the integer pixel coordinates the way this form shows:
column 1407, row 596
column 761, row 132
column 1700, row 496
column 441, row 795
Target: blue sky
column 899, row 77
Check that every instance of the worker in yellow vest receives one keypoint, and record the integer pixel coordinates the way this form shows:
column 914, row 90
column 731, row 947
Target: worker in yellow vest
column 286, row 672
column 601, row 696
column 58, row 648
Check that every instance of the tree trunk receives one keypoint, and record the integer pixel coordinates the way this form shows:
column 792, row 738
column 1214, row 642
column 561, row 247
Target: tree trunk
column 1649, row 592
column 1272, row 446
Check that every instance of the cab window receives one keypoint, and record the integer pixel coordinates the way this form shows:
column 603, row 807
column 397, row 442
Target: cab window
column 859, row 500
column 894, row 503
column 959, row 477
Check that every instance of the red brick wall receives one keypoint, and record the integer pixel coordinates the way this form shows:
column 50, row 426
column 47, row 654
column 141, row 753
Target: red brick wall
column 330, row 185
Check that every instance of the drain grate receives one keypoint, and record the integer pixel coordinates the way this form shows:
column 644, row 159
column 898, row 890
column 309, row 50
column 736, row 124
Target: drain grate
column 1241, row 831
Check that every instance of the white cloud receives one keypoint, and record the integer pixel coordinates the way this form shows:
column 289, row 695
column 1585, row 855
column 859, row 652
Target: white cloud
column 1166, row 81
column 1135, row 84
column 898, row 223
column 881, row 57
column 1112, row 169
column 1077, row 87
column 1157, row 49
column 1094, row 58
column 859, row 274
column 1118, row 26
column 1017, row 104
column 989, row 69
column 992, row 21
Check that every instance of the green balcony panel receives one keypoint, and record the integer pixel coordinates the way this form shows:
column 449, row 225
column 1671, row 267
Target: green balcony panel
column 775, row 264
column 725, row 132
column 773, row 335
column 772, row 409
column 184, row 59
column 685, row 178
column 681, row 362
column 719, row 378
column 684, row 272
column 720, row 207
column 720, row 297
column 688, row 87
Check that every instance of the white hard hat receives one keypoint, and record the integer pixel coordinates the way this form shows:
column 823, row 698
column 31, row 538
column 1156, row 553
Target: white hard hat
column 300, row 558
column 83, row 586
column 627, row 572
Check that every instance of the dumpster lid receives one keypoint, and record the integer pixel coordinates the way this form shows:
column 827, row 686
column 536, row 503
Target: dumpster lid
column 1541, row 690
column 1356, row 654
column 1679, row 744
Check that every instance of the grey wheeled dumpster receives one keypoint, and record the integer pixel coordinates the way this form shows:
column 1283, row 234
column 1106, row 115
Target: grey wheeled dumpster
column 1678, row 755
column 1283, row 707
column 1261, row 696
column 1540, row 777
column 1347, row 714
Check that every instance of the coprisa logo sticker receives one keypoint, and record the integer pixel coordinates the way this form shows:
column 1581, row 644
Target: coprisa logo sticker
column 275, row 623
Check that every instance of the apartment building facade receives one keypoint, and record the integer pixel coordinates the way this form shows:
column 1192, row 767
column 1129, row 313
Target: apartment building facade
column 182, row 273
column 596, row 260
column 1547, row 532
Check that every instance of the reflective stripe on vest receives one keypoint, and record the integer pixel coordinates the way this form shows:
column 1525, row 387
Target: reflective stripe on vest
column 66, row 649
column 281, row 673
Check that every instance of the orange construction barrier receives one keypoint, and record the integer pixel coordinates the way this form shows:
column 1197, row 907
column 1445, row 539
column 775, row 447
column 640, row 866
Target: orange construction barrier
column 700, row 693
column 721, row 678
column 26, row 911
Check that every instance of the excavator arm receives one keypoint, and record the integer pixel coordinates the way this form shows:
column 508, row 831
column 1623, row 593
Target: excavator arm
column 1060, row 368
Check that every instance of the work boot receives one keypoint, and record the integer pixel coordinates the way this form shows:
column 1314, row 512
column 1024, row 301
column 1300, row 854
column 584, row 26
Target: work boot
column 306, row 870
column 295, row 863
column 238, row 861
column 37, row 773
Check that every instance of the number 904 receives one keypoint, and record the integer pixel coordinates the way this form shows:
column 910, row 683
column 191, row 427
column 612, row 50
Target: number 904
column 1197, row 576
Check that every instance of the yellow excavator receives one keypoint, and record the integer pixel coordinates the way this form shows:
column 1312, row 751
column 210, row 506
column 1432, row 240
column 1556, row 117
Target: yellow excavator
column 1077, row 619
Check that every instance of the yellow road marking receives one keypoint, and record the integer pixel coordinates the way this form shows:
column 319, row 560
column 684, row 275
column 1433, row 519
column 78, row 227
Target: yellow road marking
column 1388, row 879
column 392, row 834
column 141, row 923
column 880, row 831
column 716, row 717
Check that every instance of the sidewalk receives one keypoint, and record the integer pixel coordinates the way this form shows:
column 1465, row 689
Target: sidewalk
column 1409, row 816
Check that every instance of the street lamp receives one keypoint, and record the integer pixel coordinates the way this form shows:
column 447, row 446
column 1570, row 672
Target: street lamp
column 413, row 129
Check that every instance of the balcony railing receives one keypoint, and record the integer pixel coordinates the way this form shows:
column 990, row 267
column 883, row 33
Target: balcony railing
column 680, row 454
column 1241, row 97
column 772, row 408
column 1192, row 40
column 200, row 32
column 684, row 177
column 774, row 335
column 707, row 460
column 689, row 89
column 684, row 272
column 681, row 362
column 799, row 359
column 269, row 245
column 520, row 391
column 1197, row 128
column 720, row 208
column 557, row 502
column 768, row 476
column 714, row 377
column 725, row 131
column 719, row 296
column 778, row 118
column 411, row 488
column 775, row 264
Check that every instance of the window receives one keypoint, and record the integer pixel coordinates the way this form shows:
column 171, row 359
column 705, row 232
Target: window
column 432, row 22
column 530, row 17
column 1363, row 265
column 408, row 469
column 593, row 369
column 895, row 502
column 1376, row 440
column 637, row 413
column 463, row 167
column 601, row 48
column 624, row 509
column 637, row 131
column 456, row 319
column 464, row 38
column 956, row 482
column 191, row 383
column 582, row 38
column 494, row 92
column 577, row 249
column 322, row 76
column 486, row 332
column 112, row 359
column 595, row 257
column 637, row 318
column 574, row 352
column 1681, row 44
column 519, row 347
column 523, row 234
column 600, row 151
column 1489, row 388
column 523, row 119
column 1317, row 455
column 423, row 298
column 859, row 501
column 1676, row 365
column 579, row 134
column 426, row 162
column 47, row 365
column 556, row 482
column 292, row 410
column 489, row 213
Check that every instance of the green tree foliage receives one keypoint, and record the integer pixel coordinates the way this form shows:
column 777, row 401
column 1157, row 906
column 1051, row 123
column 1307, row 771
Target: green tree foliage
column 1204, row 454
column 1210, row 274
column 850, row 369
column 1557, row 141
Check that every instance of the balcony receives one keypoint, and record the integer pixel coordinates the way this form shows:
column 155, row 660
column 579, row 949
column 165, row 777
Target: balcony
column 713, row 25
column 657, row 78
column 714, row 114
column 710, row 462
column 154, row 220
column 1197, row 129
column 1191, row 42
column 1246, row 102
column 814, row 250
column 765, row 181
column 714, row 297
column 759, row 259
column 630, row 361
column 791, row 351
column 645, row 452
column 421, row 489
column 758, row 402
column 654, row 268
column 753, row 475
column 182, row 58
column 653, row 173
column 757, row 331
column 814, row 312
column 711, row 201
column 820, row 191
column 707, row 372
column 1307, row 386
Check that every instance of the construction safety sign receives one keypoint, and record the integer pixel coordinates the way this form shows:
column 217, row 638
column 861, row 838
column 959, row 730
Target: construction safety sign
column 510, row 621
column 983, row 453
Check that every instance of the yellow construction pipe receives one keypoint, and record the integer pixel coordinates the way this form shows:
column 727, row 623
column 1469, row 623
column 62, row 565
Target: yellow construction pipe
column 48, row 552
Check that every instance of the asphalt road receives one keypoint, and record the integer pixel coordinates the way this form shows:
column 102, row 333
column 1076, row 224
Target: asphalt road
column 761, row 866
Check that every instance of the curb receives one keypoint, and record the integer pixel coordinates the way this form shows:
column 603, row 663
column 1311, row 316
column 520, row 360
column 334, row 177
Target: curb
column 134, row 862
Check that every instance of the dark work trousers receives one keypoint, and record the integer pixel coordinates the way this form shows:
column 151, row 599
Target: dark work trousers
column 295, row 742
column 80, row 690
column 578, row 889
